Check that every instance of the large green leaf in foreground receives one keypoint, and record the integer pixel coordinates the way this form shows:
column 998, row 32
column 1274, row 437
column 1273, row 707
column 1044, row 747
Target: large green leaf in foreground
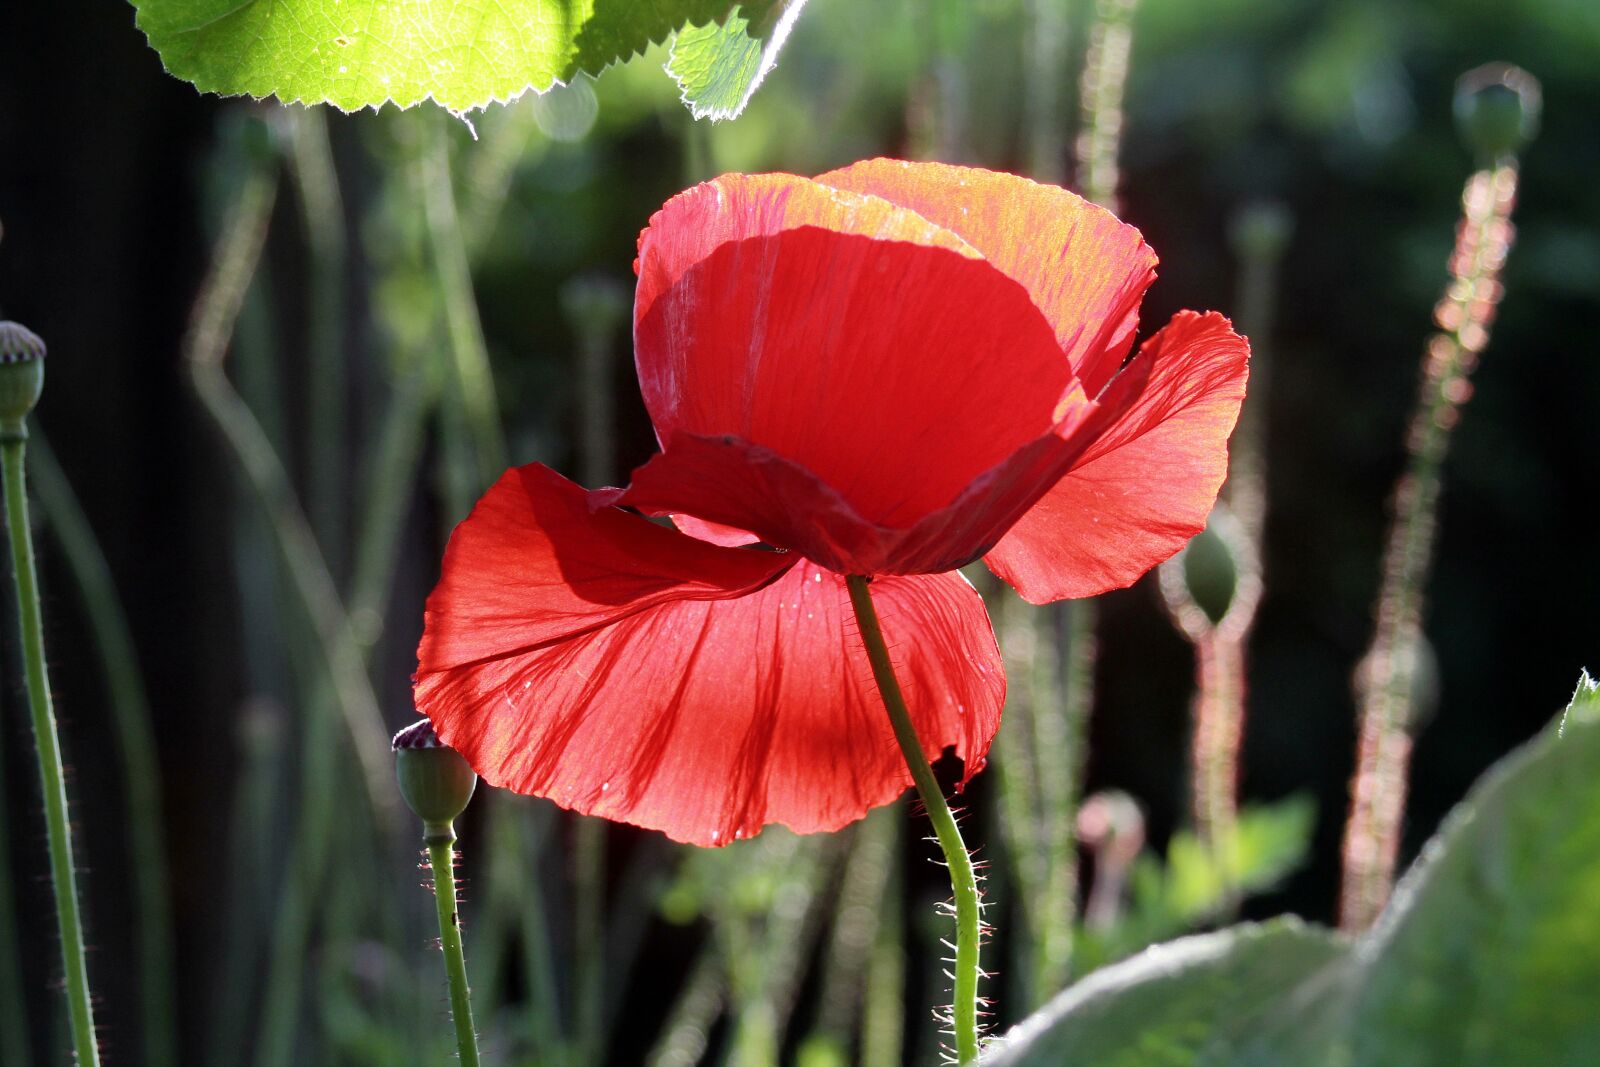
column 461, row 53
column 1488, row 956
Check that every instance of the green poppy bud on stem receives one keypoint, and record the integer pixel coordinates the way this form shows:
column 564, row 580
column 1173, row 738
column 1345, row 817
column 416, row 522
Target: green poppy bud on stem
column 435, row 781
column 1497, row 109
column 21, row 378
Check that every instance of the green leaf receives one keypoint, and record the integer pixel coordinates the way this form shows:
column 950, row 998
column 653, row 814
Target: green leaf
column 1489, row 953
column 718, row 67
column 1199, row 1000
column 463, row 54
column 1198, row 883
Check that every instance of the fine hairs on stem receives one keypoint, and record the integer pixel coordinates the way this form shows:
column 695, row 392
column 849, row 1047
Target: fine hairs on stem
column 1497, row 109
column 21, row 379
column 967, row 905
column 130, row 706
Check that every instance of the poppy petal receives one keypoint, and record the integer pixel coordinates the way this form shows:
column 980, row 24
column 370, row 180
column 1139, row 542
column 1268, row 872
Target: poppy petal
column 736, row 485
column 1146, row 485
column 715, row 532
column 1082, row 267
column 708, row 719
column 894, row 372
column 535, row 563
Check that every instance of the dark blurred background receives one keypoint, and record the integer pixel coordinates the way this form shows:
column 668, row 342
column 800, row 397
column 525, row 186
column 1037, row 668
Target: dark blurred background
column 115, row 176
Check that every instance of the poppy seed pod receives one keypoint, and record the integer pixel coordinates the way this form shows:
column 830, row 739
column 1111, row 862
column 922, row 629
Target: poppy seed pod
column 21, row 377
column 1211, row 573
column 1497, row 109
column 434, row 779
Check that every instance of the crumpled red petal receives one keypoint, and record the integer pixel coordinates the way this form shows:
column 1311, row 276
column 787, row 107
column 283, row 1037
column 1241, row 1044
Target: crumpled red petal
column 877, row 365
column 733, row 484
column 1082, row 267
column 535, row 562
column 703, row 718
column 1148, row 482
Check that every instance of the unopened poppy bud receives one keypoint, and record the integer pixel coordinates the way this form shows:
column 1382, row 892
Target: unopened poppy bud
column 1210, row 572
column 21, row 377
column 436, row 782
column 1497, row 109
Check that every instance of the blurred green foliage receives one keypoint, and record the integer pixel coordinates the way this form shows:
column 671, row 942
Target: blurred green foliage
column 1338, row 108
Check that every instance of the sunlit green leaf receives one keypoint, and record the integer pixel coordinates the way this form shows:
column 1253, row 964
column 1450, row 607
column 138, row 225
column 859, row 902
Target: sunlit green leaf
column 462, row 54
column 719, row 66
column 1489, row 953
column 1193, row 1001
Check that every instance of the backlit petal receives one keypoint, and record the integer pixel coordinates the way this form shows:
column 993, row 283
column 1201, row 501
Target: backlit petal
column 708, row 719
column 534, row 563
column 1148, row 482
column 894, row 371
column 1082, row 267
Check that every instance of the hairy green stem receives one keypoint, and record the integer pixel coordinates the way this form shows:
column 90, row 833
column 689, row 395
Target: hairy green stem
column 130, row 706
column 1105, row 76
column 963, row 879
column 1388, row 672
column 441, row 839
column 14, row 1044
column 57, row 825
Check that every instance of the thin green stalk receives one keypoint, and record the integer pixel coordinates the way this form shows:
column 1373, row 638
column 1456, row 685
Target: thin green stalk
column 1040, row 756
column 59, row 829
column 238, row 252
column 473, row 378
column 251, row 893
column 855, row 928
column 1045, row 58
column 588, row 934
column 1105, row 76
column 963, row 879
column 322, row 211
column 391, row 481
column 884, row 1000
column 1388, row 673
column 441, row 839
column 14, row 1043
column 130, row 707
column 705, row 991
column 303, row 877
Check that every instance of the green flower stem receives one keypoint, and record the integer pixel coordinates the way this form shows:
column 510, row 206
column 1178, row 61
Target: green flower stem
column 473, row 378
column 589, row 933
column 1105, row 76
column 237, row 254
column 963, row 879
column 14, row 1043
column 322, row 212
column 49, row 746
column 130, row 705
column 441, row 839
column 1388, row 672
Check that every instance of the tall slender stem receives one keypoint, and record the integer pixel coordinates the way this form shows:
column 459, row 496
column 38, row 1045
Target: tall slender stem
column 1105, row 76
column 1389, row 671
column 441, row 840
column 58, row 827
column 963, row 879
column 130, row 706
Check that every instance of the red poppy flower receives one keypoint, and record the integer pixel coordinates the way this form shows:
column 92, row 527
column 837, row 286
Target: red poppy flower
column 891, row 370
